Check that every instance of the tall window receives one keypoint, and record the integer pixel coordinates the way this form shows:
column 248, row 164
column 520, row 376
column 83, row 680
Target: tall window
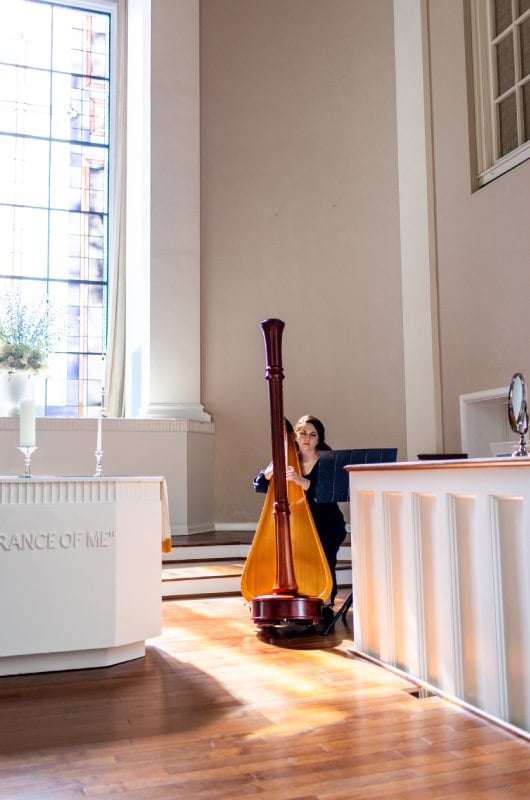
column 501, row 63
column 54, row 186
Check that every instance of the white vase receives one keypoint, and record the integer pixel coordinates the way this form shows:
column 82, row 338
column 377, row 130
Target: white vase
column 16, row 386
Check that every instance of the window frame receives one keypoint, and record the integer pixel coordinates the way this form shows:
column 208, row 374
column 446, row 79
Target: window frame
column 490, row 164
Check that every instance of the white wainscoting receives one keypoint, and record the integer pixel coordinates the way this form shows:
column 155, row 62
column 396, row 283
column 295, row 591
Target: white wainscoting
column 441, row 576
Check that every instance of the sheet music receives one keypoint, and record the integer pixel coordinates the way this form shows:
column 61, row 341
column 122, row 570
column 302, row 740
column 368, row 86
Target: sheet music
column 333, row 480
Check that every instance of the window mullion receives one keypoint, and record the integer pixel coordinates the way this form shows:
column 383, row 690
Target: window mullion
column 493, row 89
column 517, row 64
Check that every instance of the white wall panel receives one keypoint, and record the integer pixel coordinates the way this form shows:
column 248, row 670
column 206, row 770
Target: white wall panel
column 441, row 565
column 514, row 569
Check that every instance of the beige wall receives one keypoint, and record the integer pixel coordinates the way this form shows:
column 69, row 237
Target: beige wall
column 299, row 221
column 483, row 239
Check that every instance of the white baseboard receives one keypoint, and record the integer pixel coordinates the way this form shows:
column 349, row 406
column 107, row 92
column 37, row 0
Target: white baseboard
column 235, row 526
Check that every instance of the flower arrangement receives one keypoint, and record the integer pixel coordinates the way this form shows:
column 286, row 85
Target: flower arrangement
column 27, row 332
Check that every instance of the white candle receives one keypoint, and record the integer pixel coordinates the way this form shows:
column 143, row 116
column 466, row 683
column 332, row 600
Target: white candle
column 100, row 425
column 27, row 423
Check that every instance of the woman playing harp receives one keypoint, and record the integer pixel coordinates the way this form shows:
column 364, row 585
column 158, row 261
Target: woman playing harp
column 329, row 521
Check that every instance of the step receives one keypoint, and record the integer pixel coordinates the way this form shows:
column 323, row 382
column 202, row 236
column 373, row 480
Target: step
column 219, row 577
column 218, row 580
column 205, row 552
column 201, row 578
column 207, row 547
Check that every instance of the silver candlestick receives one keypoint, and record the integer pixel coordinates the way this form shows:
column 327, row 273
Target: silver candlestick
column 27, row 453
column 99, row 467
column 99, row 447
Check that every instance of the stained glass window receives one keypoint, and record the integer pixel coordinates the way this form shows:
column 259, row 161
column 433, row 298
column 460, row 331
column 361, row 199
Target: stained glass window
column 54, row 190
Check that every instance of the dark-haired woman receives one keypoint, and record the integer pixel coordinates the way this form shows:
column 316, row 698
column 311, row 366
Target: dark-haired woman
column 329, row 521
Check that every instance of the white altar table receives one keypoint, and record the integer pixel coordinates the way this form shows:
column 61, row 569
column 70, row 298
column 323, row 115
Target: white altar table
column 80, row 562
column 441, row 576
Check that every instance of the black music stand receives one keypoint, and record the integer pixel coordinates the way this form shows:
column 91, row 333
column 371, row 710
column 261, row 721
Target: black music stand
column 343, row 610
column 334, row 487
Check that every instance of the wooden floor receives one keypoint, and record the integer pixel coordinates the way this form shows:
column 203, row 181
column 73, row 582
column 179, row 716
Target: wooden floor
column 218, row 709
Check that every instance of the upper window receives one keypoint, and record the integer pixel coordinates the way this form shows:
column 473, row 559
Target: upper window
column 501, row 63
column 54, row 193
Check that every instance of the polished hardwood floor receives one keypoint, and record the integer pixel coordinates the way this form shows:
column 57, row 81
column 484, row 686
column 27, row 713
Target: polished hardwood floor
column 219, row 709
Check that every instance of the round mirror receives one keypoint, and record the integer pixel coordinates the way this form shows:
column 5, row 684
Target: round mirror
column 517, row 408
column 518, row 411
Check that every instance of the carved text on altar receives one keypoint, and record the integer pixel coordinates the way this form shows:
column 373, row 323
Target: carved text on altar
column 56, row 540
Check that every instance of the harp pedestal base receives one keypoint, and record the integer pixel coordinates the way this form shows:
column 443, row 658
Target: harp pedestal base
column 280, row 609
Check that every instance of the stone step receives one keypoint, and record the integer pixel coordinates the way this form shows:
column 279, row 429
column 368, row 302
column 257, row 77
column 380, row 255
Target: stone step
column 201, row 578
column 204, row 565
column 217, row 579
column 222, row 546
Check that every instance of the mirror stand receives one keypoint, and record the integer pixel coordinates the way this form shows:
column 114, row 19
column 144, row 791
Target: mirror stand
column 522, row 450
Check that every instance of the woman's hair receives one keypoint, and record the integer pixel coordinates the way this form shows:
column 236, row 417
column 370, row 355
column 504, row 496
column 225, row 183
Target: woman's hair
column 318, row 426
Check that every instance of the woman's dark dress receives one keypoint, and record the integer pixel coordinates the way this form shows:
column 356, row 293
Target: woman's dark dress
column 328, row 518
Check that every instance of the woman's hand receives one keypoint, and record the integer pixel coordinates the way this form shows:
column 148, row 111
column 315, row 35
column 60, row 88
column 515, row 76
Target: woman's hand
column 268, row 471
column 292, row 475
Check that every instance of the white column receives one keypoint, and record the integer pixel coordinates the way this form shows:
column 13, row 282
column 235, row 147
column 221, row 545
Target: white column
column 164, row 210
column 138, row 204
column 175, row 389
column 417, row 224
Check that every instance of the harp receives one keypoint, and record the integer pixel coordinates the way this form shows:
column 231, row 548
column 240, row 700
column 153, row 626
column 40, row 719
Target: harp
column 286, row 574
